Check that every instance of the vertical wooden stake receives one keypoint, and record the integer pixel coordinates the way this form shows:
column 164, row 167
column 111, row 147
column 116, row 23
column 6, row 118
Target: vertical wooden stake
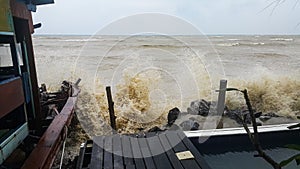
column 111, row 108
column 221, row 101
column 221, row 97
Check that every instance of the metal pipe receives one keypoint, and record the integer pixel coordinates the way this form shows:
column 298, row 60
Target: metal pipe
column 63, row 149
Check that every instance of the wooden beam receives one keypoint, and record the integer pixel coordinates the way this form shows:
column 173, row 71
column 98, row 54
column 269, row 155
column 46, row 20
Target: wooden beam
column 33, row 79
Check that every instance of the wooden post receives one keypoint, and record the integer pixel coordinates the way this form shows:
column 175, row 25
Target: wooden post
column 111, row 108
column 221, row 97
column 78, row 81
column 221, row 101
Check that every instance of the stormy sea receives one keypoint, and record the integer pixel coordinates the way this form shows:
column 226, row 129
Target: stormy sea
column 150, row 75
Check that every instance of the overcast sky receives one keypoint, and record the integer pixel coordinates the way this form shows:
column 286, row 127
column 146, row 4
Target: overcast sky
column 209, row 16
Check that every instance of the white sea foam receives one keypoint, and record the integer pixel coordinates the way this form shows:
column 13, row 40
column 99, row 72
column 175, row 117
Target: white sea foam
column 258, row 43
column 281, row 39
column 229, row 44
column 80, row 40
column 233, row 39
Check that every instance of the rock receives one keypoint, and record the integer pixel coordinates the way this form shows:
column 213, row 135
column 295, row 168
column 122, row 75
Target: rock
column 195, row 126
column 257, row 114
column 264, row 118
column 173, row 115
column 235, row 114
column 155, row 129
column 189, row 125
column 192, row 118
column 182, row 114
column 272, row 114
column 268, row 116
column 258, row 123
column 174, row 127
column 199, row 107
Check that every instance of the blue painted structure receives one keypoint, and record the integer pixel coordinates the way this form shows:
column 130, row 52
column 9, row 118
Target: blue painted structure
column 31, row 4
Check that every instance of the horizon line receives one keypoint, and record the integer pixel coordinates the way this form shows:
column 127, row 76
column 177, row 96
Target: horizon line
column 62, row 34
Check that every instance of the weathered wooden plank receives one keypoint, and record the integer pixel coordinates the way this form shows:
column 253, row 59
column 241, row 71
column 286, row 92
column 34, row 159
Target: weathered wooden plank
column 199, row 158
column 117, row 152
column 138, row 158
column 221, row 97
column 178, row 146
column 153, row 151
column 146, row 152
column 175, row 141
column 170, row 152
column 130, row 166
column 97, row 153
column 127, row 151
column 12, row 95
column 160, row 158
column 108, row 157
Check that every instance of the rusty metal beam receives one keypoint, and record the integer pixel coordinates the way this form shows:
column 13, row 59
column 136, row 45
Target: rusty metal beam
column 12, row 95
column 44, row 153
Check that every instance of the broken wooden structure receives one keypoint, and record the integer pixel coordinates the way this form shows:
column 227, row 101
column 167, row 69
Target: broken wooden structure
column 29, row 115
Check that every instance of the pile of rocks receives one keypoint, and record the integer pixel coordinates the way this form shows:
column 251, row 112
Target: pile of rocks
column 187, row 121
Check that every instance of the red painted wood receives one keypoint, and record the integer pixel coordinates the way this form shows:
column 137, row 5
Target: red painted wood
column 12, row 96
column 44, row 153
column 19, row 9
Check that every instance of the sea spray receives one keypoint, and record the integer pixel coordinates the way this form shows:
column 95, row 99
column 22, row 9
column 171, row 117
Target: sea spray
column 135, row 111
column 55, row 59
column 278, row 94
column 135, row 108
column 135, row 92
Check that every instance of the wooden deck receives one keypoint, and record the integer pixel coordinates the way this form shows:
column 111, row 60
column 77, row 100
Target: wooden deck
column 145, row 151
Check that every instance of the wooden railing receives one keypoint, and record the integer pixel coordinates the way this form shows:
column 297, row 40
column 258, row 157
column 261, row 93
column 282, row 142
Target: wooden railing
column 48, row 146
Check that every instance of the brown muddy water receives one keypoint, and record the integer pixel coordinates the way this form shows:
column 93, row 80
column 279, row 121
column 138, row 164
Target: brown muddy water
column 150, row 75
